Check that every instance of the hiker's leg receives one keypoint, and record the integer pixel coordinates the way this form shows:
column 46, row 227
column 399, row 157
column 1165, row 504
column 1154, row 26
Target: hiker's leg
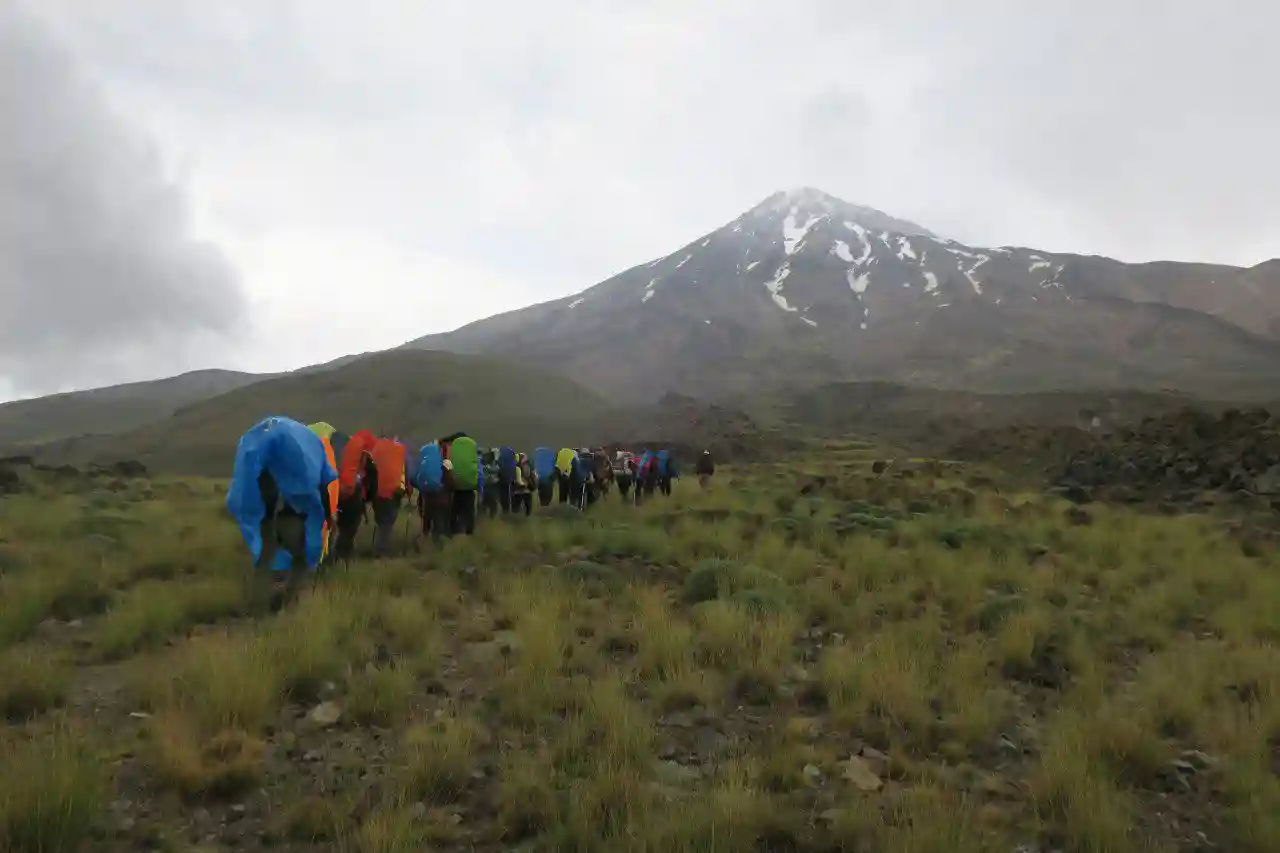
column 469, row 512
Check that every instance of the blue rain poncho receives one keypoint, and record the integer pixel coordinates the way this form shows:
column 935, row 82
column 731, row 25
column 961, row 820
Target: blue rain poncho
column 295, row 458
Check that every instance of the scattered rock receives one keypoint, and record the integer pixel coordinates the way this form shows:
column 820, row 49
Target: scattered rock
column 859, row 772
column 326, row 714
column 812, row 774
column 876, row 760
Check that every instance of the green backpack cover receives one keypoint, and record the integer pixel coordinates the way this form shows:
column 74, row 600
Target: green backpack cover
column 466, row 463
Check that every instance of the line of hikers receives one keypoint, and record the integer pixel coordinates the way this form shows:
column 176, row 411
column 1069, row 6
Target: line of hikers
column 299, row 492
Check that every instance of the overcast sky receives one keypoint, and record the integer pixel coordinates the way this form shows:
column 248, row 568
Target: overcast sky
column 264, row 184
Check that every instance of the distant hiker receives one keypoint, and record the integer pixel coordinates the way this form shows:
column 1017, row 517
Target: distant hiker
column 603, row 472
column 435, row 503
column 279, row 497
column 582, row 480
column 664, row 472
column 646, row 475
column 523, row 481
column 507, row 459
column 388, row 461
column 705, row 469
column 490, row 475
column 544, row 468
column 467, row 482
column 622, row 473
column 566, row 462
column 355, row 475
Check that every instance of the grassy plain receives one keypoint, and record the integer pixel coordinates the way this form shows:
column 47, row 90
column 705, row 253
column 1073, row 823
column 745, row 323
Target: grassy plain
column 893, row 663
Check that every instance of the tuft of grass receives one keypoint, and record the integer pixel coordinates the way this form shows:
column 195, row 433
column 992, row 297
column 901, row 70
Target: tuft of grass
column 52, row 791
column 224, row 765
column 222, row 680
column 390, row 829
column 440, row 757
column 379, row 696
column 1076, row 795
column 32, row 683
column 664, row 640
column 155, row 611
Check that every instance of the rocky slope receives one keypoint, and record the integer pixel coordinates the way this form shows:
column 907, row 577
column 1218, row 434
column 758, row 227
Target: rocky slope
column 805, row 288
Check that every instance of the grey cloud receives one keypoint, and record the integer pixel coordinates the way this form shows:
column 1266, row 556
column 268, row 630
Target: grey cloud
column 99, row 276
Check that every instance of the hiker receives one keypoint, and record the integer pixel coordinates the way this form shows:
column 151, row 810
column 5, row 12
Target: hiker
column 671, row 474
column 603, row 472
column 354, row 480
column 566, row 462
column 507, row 461
column 706, row 469
column 387, row 493
column 646, row 475
column 523, row 482
column 435, row 503
column 279, row 497
column 465, row 481
column 664, row 472
column 544, row 469
column 623, row 474
column 582, row 485
column 489, row 465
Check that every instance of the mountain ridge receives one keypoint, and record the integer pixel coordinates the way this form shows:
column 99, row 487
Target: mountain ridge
column 808, row 288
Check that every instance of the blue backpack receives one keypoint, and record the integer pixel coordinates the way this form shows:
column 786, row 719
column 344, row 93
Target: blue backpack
column 506, row 464
column 544, row 464
column 412, row 461
column 430, row 468
column 663, row 456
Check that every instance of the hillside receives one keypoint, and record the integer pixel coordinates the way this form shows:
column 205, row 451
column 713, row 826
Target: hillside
column 416, row 395
column 805, row 289
column 113, row 409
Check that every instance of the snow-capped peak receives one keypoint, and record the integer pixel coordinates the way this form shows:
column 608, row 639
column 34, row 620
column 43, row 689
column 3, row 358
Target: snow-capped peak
column 806, row 203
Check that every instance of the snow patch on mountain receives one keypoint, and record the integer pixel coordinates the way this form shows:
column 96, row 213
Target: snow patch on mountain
column 930, row 282
column 649, row 290
column 752, row 265
column 971, row 273
column 905, row 251
column 792, row 234
column 684, row 261
column 866, row 241
column 1038, row 264
column 858, row 283
column 774, row 286
column 810, row 322
column 575, row 303
column 841, row 250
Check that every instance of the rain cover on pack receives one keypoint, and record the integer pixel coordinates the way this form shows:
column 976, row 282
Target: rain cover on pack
column 295, row 458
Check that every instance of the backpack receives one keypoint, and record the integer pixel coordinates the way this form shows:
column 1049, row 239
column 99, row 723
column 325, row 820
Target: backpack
column 412, row 459
column 565, row 460
column 466, row 463
column 544, row 462
column 663, row 456
column 506, row 464
column 430, row 468
column 388, row 459
column 523, row 476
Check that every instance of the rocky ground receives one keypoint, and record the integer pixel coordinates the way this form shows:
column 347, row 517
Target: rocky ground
column 843, row 651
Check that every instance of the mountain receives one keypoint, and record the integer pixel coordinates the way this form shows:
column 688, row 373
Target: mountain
column 109, row 410
column 416, row 395
column 805, row 288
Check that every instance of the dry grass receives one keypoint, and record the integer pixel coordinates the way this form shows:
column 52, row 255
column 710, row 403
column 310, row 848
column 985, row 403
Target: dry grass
column 52, row 791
